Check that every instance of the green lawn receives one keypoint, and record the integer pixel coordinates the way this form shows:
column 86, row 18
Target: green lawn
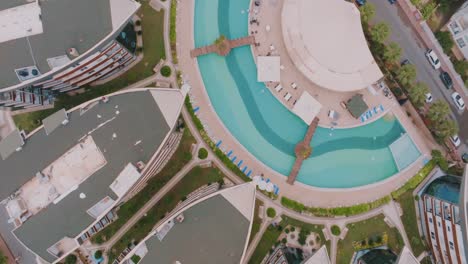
column 410, row 222
column 426, row 260
column 256, row 221
column 180, row 158
column 153, row 48
column 366, row 229
column 196, row 178
column 270, row 237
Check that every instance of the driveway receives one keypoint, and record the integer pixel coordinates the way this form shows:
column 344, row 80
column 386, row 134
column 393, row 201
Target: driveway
column 413, row 50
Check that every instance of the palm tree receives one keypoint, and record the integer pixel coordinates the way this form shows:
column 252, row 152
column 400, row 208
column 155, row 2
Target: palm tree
column 438, row 112
column 392, row 53
column 367, row 12
column 406, row 74
column 417, row 94
column 380, row 32
column 446, row 128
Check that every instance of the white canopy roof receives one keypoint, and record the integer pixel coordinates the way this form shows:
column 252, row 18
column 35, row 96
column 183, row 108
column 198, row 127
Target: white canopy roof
column 268, row 68
column 307, row 107
column 324, row 38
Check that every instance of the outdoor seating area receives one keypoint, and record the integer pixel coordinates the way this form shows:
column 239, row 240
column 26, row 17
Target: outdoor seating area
column 356, row 106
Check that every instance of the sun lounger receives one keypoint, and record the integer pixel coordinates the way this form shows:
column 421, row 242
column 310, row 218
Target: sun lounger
column 363, row 118
column 287, row 96
column 376, row 111
column 248, row 173
column 229, row 153
column 294, row 85
column 381, row 108
column 243, row 170
column 233, row 159
column 278, row 87
column 219, row 143
column 240, row 163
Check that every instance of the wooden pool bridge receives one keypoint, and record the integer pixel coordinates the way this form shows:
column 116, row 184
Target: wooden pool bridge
column 301, row 149
column 224, row 47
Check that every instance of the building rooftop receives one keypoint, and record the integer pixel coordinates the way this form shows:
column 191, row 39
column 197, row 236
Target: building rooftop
column 464, row 208
column 315, row 34
column 33, row 32
column 214, row 230
column 129, row 128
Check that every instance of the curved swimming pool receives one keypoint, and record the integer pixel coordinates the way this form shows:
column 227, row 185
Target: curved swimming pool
column 341, row 158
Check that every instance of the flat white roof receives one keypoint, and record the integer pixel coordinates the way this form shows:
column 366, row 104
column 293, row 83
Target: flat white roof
column 325, row 40
column 307, row 107
column 170, row 103
column 121, row 10
column 126, row 179
column 319, row 257
column 20, row 21
column 268, row 68
column 406, row 257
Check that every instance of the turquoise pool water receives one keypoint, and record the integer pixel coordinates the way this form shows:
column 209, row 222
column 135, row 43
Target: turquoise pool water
column 445, row 188
column 341, row 158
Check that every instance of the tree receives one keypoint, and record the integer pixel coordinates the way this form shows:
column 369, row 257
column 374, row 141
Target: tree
column 445, row 41
column 438, row 111
column 367, row 12
column 380, row 32
column 406, row 74
column 3, row 258
column 98, row 254
column 446, row 128
column 417, row 94
column 392, row 53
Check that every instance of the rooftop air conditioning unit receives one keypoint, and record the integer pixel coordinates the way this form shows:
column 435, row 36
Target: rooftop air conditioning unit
column 73, row 52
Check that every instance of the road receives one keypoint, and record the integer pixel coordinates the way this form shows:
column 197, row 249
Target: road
column 413, row 49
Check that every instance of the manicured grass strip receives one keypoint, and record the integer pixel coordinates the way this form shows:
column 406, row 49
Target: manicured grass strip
column 194, row 179
column 180, row 158
column 227, row 162
column 152, row 23
column 256, row 221
column 337, row 211
column 370, row 228
column 173, row 32
column 410, row 222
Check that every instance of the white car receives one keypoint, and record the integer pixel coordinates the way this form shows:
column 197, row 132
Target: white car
column 455, row 140
column 433, row 59
column 458, row 100
column 429, row 98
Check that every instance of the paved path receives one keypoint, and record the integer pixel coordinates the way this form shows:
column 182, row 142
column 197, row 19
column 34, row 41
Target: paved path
column 422, row 256
column 155, row 199
column 253, row 245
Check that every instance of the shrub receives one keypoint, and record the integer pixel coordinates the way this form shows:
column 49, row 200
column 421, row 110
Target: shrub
column 303, row 234
column 271, row 212
column 98, row 254
column 416, row 180
column 202, row 153
column 293, row 229
column 286, row 230
column 135, row 258
column 335, row 230
column 139, row 32
column 284, row 240
column 439, row 159
column 428, row 9
column 71, row 259
column 138, row 22
column 166, row 71
column 445, row 41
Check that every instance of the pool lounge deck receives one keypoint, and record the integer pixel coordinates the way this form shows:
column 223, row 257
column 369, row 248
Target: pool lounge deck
column 300, row 192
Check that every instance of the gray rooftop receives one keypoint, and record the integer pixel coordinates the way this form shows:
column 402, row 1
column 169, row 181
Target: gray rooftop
column 213, row 231
column 139, row 118
column 54, row 121
column 10, row 144
column 66, row 23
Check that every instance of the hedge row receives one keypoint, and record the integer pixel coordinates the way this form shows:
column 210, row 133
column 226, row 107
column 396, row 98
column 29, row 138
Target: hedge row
column 415, row 180
column 220, row 154
column 172, row 30
column 337, row 211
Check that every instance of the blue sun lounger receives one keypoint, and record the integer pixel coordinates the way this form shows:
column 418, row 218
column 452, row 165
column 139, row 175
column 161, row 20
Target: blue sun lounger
column 382, row 108
column 229, row 154
column 233, row 159
column 376, row 111
column 219, row 143
column 244, row 169
column 240, row 163
column 196, row 109
column 248, row 173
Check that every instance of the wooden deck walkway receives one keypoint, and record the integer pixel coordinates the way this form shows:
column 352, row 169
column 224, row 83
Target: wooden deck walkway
column 226, row 47
column 299, row 148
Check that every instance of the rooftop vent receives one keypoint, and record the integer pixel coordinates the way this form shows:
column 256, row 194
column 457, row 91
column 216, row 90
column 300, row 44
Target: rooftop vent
column 73, row 52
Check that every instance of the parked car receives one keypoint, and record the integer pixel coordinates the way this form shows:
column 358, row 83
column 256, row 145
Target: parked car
column 404, row 62
column 464, row 157
column 458, row 100
column 429, row 98
column 455, row 140
column 433, row 59
column 361, row 2
column 447, row 80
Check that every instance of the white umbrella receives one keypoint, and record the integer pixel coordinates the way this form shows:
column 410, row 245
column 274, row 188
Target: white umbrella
column 270, row 186
column 272, row 48
column 262, row 185
column 257, row 179
column 267, row 28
